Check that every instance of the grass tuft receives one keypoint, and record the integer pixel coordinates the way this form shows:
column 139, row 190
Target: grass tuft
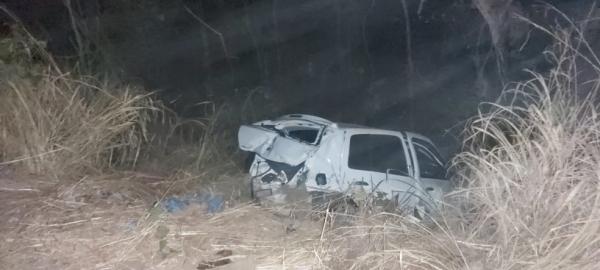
column 54, row 122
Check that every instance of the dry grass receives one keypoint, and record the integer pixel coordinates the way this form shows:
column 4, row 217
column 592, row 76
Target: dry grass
column 531, row 199
column 108, row 223
column 54, row 123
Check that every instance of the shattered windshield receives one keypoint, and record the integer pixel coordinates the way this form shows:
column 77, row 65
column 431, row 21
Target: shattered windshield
column 304, row 135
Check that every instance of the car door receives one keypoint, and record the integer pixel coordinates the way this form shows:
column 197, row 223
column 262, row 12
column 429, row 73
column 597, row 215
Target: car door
column 377, row 162
column 429, row 168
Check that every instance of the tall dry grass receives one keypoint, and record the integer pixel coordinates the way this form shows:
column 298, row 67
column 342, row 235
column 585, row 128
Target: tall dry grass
column 60, row 123
column 55, row 122
column 532, row 200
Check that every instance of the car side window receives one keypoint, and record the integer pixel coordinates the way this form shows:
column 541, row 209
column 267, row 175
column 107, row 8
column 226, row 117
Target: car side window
column 379, row 153
column 429, row 165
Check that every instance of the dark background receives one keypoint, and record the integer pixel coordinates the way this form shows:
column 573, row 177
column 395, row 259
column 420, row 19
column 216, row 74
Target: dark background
column 420, row 65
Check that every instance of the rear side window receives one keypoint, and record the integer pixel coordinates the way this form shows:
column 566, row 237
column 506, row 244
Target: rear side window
column 432, row 149
column 377, row 153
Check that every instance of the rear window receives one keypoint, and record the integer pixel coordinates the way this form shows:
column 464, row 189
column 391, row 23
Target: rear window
column 370, row 152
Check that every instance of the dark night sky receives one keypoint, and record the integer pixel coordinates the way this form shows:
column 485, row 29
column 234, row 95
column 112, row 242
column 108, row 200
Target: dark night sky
column 341, row 59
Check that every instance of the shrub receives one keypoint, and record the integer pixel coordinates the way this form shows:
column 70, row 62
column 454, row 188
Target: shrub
column 531, row 200
column 52, row 122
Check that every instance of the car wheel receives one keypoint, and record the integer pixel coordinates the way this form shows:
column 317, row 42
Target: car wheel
column 343, row 211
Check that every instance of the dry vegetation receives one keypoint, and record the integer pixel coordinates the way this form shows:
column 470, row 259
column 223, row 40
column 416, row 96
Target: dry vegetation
column 55, row 123
column 530, row 199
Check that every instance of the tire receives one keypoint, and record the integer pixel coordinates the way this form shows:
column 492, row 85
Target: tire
column 343, row 212
column 344, row 206
column 341, row 208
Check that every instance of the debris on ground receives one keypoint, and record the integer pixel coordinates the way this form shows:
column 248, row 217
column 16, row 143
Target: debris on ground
column 175, row 204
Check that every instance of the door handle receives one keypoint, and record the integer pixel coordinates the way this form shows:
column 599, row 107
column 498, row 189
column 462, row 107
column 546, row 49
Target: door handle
column 361, row 183
column 395, row 171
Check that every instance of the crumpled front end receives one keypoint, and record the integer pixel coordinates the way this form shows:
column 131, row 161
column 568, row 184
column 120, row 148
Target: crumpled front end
column 271, row 145
column 273, row 180
column 282, row 148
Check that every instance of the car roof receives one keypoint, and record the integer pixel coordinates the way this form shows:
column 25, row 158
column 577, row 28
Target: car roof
column 356, row 127
column 345, row 126
column 351, row 126
column 418, row 136
column 307, row 117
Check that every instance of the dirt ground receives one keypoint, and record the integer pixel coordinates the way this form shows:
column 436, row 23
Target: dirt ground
column 114, row 222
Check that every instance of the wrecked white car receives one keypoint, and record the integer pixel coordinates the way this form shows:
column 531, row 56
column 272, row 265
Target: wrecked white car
column 333, row 160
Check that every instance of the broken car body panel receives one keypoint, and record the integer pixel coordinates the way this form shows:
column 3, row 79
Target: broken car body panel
column 271, row 146
column 303, row 151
